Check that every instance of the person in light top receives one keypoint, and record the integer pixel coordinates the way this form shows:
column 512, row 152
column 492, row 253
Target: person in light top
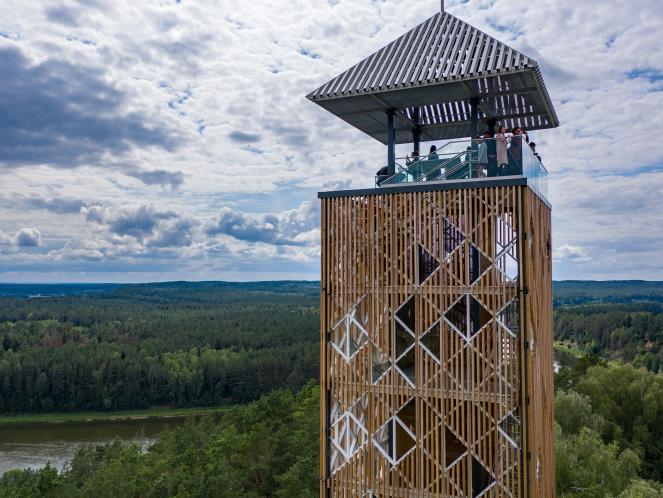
column 502, row 151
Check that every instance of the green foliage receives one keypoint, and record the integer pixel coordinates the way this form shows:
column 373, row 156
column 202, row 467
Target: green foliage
column 589, row 468
column 632, row 332
column 630, row 400
column 610, row 432
column 573, row 412
column 175, row 344
column 616, row 291
column 265, row 449
column 30, row 483
column 643, row 489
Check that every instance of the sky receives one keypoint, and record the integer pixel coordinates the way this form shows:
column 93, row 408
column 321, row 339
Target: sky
column 172, row 140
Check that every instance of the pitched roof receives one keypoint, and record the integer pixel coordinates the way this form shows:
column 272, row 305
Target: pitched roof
column 435, row 68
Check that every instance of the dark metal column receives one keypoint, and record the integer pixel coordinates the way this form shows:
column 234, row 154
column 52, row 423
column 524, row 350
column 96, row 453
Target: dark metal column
column 416, row 133
column 391, row 143
column 492, row 126
column 474, row 117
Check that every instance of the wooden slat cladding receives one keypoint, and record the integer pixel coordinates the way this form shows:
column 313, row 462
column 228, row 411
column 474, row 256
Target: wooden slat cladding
column 539, row 333
column 425, row 358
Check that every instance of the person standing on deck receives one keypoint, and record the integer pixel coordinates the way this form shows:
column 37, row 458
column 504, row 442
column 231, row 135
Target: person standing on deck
column 502, row 154
column 516, row 152
column 482, row 157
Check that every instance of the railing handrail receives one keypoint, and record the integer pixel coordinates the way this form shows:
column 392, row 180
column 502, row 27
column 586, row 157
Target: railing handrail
column 445, row 155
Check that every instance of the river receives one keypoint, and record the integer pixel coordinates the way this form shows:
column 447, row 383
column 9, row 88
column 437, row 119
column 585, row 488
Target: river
column 33, row 446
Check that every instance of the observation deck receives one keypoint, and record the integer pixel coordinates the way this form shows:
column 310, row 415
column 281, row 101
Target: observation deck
column 476, row 160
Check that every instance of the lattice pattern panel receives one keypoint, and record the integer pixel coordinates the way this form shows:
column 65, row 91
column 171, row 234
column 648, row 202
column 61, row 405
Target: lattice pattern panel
column 422, row 322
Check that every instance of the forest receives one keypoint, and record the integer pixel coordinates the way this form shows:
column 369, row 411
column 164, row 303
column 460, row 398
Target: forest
column 609, row 387
column 173, row 344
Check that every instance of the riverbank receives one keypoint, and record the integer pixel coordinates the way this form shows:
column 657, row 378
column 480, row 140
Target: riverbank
column 120, row 415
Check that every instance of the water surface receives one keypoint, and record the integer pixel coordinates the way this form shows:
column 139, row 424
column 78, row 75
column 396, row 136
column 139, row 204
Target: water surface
column 33, row 446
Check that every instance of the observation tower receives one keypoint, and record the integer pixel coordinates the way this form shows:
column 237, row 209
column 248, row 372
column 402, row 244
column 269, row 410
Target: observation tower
column 436, row 302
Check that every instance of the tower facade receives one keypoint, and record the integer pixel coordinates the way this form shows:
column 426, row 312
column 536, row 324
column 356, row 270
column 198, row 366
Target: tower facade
column 436, row 325
column 436, row 285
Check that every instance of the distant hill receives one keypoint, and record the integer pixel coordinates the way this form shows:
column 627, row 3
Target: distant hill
column 566, row 292
column 610, row 291
column 51, row 290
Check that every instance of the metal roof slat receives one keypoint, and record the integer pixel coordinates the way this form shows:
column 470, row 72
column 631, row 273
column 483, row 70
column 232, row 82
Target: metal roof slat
column 504, row 57
column 490, row 62
column 412, row 51
column 484, row 57
column 434, row 38
column 442, row 66
column 472, row 51
column 516, row 59
column 436, row 58
column 478, row 54
column 388, row 79
column 337, row 87
column 419, row 57
column 346, row 83
column 354, row 84
column 361, row 77
column 424, row 73
column 461, row 53
column 384, row 69
column 456, row 54
column 378, row 62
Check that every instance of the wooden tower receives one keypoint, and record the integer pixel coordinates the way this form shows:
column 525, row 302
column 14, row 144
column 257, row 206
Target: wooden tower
column 436, row 305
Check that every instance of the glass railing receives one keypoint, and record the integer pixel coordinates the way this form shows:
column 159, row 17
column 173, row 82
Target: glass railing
column 471, row 159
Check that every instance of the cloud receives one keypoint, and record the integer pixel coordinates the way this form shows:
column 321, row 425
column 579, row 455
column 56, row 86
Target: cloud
column 127, row 112
column 66, row 16
column 5, row 240
column 177, row 232
column 291, row 227
column 28, row 237
column 570, row 252
column 144, row 224
column 172, row 179
column 64, row 205
column 25, row 237
column 63, row 114
column 240, row 136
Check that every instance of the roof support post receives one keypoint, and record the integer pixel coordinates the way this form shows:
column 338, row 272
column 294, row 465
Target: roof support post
column 391, row 142
column 416, row 133
column 474, row 117
column 474, row 131
column 492, row 125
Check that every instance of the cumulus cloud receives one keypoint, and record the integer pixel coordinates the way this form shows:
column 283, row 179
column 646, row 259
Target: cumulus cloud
column 25, row 237
column 28, row 237
column 292, row 227
column 144, row 224
column 571, row 252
